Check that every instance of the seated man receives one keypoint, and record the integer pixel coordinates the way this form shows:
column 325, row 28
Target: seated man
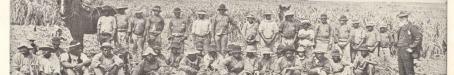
column 150, row 65
column 210, row 61
column 264, row 66
column 49, row 64
column 74, row 62
column 364, row 64
column 190, row 64
column 234, row 64
column 286, row 65
column 339, row 66
column 24, row 62
column 320, row 65
column 106, row 63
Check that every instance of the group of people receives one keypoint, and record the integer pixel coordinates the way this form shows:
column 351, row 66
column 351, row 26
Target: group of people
column 286, row 46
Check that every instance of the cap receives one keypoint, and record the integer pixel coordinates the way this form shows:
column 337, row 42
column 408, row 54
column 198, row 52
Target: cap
column 343, row 18
column 177, row 10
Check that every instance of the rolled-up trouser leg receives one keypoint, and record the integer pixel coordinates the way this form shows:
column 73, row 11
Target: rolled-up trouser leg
column 405, row 62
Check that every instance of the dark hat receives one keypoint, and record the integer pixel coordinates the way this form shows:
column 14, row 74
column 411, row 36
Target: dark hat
column 222, row 7
column 24, row 46
column 203, row 12
column 319, row 52
column 177, row 10
column 175, row 45
column 356, row 21
column 157, row 8
column 74, row 43
column 403, row 14
column 106, row 44
column 324, row 16
column 343, row 18
column 212, row 48
column 107, row 8
column 46, row 48
column 288, row 48
column 335, row 53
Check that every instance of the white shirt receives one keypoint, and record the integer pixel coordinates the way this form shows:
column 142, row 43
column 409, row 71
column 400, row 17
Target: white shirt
column 107, row 24
column 201, row 27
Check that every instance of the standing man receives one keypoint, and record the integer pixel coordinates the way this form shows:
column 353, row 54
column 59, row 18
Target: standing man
column 222, row 23
column 356, row 35
column 249, row 31
column 342, row 37
column 324, row 34
column 305, row 39
column 122, row 27
column 178, row 27
column 107, row 25
column 137, row 30
column 289, row 29
column 154, row 29
column 408, row 42
column 268, row 32
column 201, row 30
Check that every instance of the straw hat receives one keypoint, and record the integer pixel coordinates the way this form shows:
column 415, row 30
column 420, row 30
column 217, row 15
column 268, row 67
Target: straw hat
column 191, row 52
column 156, row 8
column 222, row 7
column 319, row 52
column 403, row 14
column 201, row 12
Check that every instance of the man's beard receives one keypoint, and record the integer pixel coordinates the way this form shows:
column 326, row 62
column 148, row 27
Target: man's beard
column 47, row 55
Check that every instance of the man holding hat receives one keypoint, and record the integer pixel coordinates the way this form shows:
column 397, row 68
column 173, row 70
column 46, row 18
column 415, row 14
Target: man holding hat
column 342, row 37
column 223, row 25
column 24, row 62
column 234, row 64
column 200, row 31
column 74, row 61
column 319, row 65
column 324, row 33
column 178, row 27
column 289, row 29
column 408, row 41
column 150, row 64
column 49, row 63
column 356, row 35
column 249, row 31
column 155, row 24
column 286, row 65
column 305, row 39
column 137, row 30
column 191, row 63
column 106, row 62
column 268, row 32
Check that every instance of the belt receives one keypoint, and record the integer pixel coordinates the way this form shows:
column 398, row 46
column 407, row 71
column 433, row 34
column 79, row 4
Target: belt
column 122, row 30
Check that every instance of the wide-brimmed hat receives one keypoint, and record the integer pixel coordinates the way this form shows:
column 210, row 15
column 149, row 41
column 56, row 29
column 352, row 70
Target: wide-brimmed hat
column 266, row 51
column 23, row 46
column 323, row 16
column 233, row 48
column 202, row 12
column 175, row 45
column 356, row 21
column 222, row 7
column 249, row 16
column 74, row 43
column 177, row 10
column 403, row 14
column 289, row 13
column 188, row 52
column 319, row 52
column 335, row 53
column 106, row 44
column 288, row 48
column 343, row 18
column 156, row 8
column 383, row 26
column 148, row 51
column 268, row 13
column 371, row 24
column 46, row 48
column 122, row 7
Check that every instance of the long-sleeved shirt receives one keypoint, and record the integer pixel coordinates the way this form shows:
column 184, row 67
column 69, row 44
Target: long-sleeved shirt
column 49, row 65
column 201, row 27
column 20, row 62
column 409, row 36
column 107, row 24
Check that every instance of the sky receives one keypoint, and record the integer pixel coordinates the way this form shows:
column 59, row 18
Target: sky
column 424, row 1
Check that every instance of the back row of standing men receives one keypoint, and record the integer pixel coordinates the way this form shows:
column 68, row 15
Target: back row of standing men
column 289, row 46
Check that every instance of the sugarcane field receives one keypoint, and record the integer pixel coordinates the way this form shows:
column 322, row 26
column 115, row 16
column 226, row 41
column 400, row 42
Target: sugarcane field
column 228, row 37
